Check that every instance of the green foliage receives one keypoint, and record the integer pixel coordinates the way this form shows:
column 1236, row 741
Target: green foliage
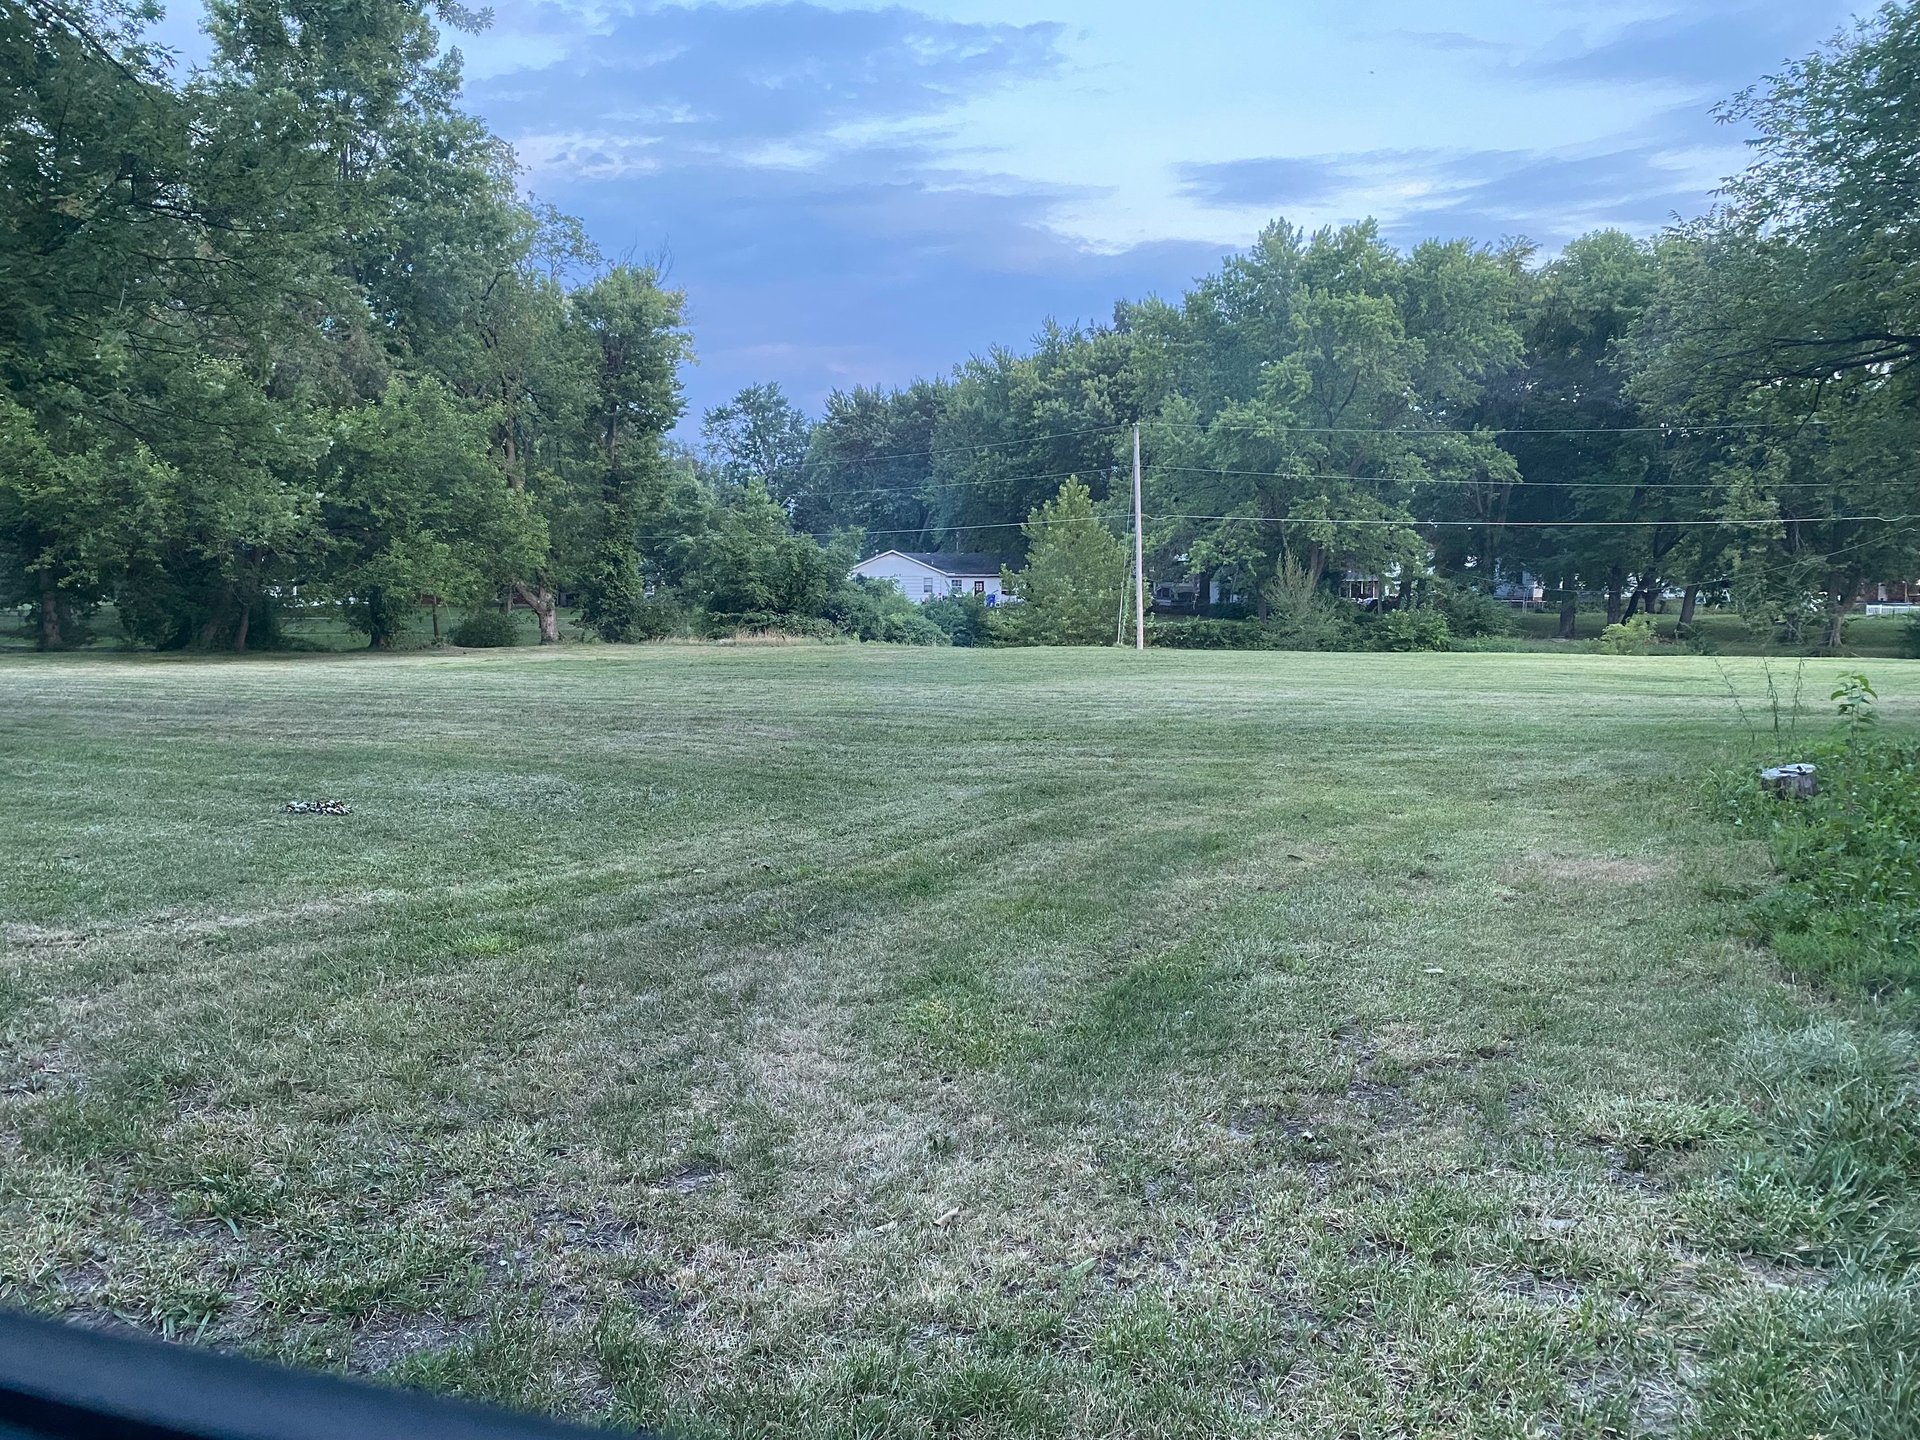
column 876, row 610
column 629, row 331
column 415, row 506
column 758, row 436
column 752, row 563
column 1303, row 615
column 485, row 629
column 773, row 624
column 1629, row 637
column 1910, row 635
column 1471, row 613
column 1214, row 635
column 662, row 615
column 1075, row 580
column 1848, row 904
column 961, row 618
column 1855, row 698
column 1404, row 630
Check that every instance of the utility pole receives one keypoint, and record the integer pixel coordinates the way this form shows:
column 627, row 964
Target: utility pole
column 1139, row 551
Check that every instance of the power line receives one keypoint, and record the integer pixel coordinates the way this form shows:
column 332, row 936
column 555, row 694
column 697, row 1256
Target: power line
column 929, row 487
column 1521, row 485
column 1408, row 522
column 804, row 465
column 1534, row 524
column 936, row 485
column 1672, row 428
column 811, row 465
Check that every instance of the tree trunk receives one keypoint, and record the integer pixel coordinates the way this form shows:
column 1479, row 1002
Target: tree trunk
column 210, row 631
column 1642, row 599
column 1687, row 604
column 1569, row 607
column 436, row 620
column 1837, row 617
column 51, row 637
column 379, row 621
column 1616, row 582
column 540, row 601
column 240, row 632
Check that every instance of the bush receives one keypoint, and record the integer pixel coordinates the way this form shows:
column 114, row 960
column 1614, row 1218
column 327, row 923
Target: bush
column 1630, row 637
column 918, row 630
column 1910, row 635
column 1694, row 640
column 875, row 610
column 486, row 630
column 1304, row 616
column 1405, row 630
column 1213, row 635
column 1848, row 905
column 768, row 623
column 632, row 617
column 961, row 618
column 1470, row 613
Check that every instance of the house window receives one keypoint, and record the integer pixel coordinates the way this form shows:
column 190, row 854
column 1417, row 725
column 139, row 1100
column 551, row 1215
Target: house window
column 955, row 588
column 980, row 587
column 926, row 587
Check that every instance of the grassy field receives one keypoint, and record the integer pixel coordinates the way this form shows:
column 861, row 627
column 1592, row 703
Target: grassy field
column 1871, row 636
column 860, row 1041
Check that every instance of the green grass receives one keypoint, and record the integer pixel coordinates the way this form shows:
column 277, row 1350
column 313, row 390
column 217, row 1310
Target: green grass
column 857, row 1041
column 1880, row 637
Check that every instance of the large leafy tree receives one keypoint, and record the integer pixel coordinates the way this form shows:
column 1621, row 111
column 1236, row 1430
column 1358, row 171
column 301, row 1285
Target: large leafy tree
column 1337, row 380
column 629, row 333
column 1013, row 426
column 759, row 435
column 1787, row 326
column 751, row 565
column 869, row 467
column 414, row 507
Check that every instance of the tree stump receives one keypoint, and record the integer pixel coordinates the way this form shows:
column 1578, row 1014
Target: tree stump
column 1794, row 782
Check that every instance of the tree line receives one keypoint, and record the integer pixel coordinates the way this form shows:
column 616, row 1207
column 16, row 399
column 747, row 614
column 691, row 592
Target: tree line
column 284, row 331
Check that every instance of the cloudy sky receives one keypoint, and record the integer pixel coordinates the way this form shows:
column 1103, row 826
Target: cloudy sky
column 858, row 194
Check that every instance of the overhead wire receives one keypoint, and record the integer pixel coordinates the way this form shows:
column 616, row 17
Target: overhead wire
column 1671, row 428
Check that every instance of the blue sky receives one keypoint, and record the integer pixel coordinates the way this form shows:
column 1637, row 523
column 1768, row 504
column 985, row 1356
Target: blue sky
column 859, row 194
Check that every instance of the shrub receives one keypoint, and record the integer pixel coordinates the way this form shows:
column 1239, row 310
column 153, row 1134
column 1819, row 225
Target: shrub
column 1405, row 630
column 486, row 630
column 1213, row 635
column 1694, row 640
column 1470, row 613
column 1630, row 637
column 1848, row 905
column 1910, row 634
column 642, row 617
column 875, row 610
column 920, row 630
column 769, row 624
column 961, row 618
column 1302, row 614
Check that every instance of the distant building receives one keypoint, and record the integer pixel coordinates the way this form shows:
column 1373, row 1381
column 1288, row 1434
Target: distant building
column 1528, row 592
column 1890, row 597
column 923, row 575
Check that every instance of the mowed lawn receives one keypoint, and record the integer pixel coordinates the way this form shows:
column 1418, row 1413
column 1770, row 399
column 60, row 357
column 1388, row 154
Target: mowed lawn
column 865, row 1041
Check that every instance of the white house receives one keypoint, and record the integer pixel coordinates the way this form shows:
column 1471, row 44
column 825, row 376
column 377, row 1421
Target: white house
column 921, row 576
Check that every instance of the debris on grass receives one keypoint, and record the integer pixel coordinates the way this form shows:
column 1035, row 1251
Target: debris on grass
column 318, row 807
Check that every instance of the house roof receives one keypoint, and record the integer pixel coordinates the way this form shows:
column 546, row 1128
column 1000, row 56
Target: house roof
column 952, row 564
